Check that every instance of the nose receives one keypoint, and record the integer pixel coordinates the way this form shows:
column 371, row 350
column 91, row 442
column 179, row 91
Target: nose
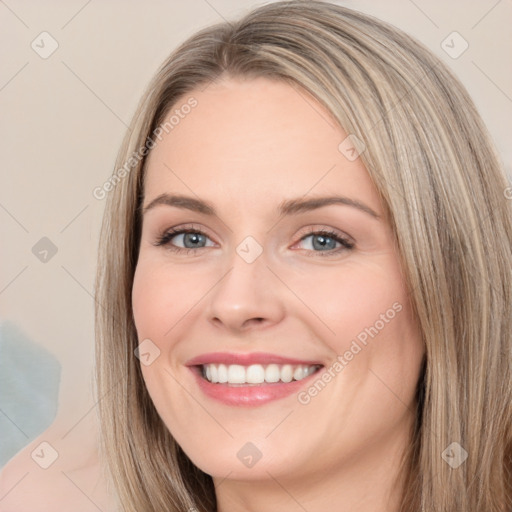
column 248, row 296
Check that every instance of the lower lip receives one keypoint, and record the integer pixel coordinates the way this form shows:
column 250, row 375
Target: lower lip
column 250, row 395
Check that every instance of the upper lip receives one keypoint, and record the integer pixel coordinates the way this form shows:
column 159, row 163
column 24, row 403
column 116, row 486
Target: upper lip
column 246, row 359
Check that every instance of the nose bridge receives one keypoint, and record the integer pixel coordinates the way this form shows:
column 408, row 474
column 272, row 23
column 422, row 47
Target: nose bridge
column 248, row 291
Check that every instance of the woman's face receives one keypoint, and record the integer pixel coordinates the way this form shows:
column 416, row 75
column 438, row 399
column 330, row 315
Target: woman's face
column 271, row 282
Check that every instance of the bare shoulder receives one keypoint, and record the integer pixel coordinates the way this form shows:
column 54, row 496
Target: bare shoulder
column 57, row 473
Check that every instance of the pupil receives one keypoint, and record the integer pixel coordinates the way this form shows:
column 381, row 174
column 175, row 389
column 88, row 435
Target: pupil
column 323, row 242
column 192, row 237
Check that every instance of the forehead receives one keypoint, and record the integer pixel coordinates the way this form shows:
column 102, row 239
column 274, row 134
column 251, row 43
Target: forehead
column 253, row 139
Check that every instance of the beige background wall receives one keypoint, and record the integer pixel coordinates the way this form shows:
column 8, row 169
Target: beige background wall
column 63, row 118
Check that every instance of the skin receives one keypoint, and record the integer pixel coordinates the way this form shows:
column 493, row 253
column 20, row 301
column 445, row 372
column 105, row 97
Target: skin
column 246, row 147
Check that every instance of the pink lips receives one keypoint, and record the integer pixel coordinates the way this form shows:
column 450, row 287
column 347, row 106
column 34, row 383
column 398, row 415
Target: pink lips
column 249, row 395
column 245, row 359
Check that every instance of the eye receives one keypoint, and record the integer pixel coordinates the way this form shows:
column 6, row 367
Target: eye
column 323, row 242
column 184, row 239
column 326, row 242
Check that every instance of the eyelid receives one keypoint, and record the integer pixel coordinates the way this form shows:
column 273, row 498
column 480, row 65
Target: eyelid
column 170, row 233
column 346, row 242
column 327, row 229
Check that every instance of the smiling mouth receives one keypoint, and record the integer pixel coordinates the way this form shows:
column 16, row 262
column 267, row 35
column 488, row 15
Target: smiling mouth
column 255, row 374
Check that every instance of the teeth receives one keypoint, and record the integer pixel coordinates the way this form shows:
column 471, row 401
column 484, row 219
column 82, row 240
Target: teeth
column 236, row 374
column 222, row 373
column 272, row 373
column 256, row 373
column 287, row 373
column 299, row 373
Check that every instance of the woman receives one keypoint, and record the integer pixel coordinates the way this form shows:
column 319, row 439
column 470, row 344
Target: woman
column 304, row 289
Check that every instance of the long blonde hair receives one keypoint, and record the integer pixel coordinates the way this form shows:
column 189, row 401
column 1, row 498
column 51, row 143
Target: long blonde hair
column 434, row 166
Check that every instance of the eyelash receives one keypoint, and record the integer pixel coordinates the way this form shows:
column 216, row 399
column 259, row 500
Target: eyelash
column 167, row 236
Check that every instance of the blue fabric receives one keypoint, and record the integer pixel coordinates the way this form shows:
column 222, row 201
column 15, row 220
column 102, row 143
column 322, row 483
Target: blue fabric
column 29, row 388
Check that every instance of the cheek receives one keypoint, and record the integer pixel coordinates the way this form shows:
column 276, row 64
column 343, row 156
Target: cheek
column 353, row 301
column 147, row 305
column 370, row 324
column 160, row 297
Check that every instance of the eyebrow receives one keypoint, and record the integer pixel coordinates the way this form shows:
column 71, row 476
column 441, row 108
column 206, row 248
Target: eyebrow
column 287, row 207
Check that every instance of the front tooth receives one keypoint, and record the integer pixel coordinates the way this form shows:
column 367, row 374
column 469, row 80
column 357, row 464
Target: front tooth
column 222, row 374
column 236, row 374
column 255, row 374
column 208, row 372
column 272, row 373
column 214, row 373
column 287, row 373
